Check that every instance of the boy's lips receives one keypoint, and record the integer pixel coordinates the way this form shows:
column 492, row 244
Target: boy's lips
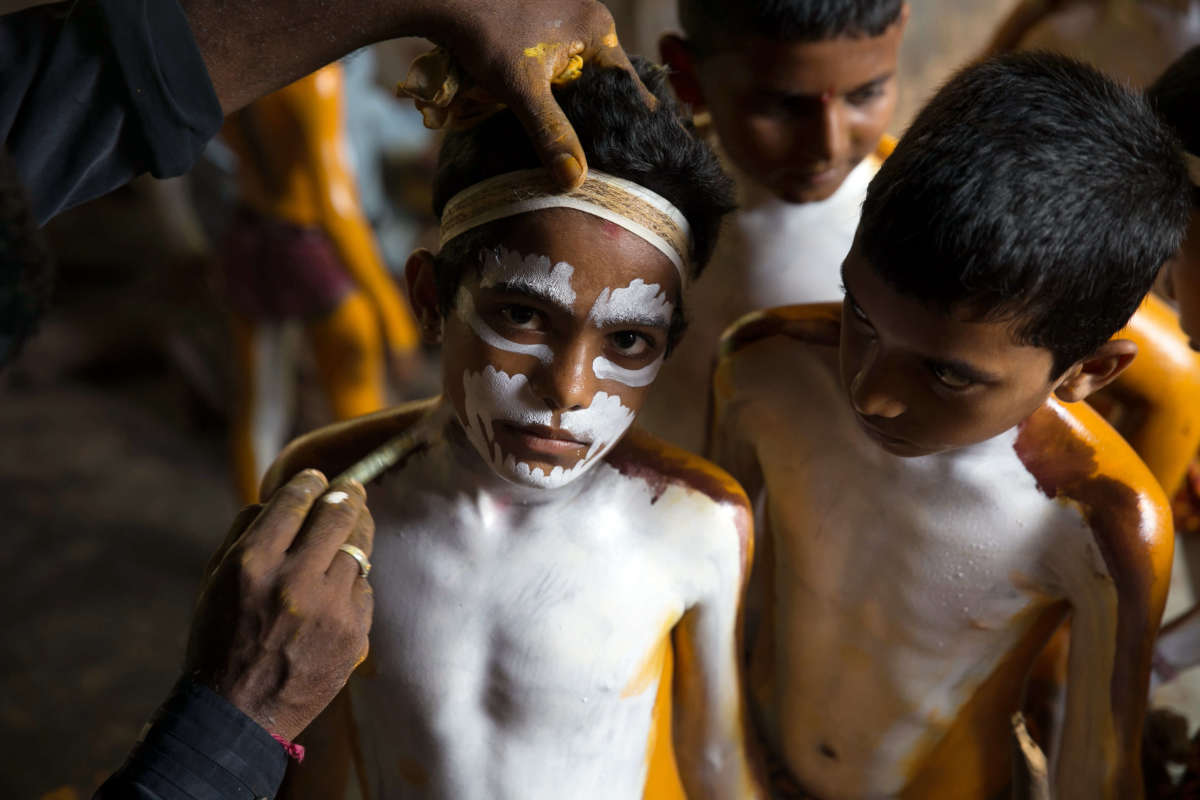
column 540, row 438
column 880, row 436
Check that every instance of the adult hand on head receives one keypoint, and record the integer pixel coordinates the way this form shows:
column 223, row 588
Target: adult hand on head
column 514, row 51
column 283, row 618
column 510, row 49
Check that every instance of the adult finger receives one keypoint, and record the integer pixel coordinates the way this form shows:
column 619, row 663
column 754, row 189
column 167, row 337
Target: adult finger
column 240, row 523
column 345, row 568
column 549, row 130
column 283, row 516
column 333, row 518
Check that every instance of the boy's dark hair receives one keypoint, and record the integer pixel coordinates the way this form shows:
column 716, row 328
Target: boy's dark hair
column 655, row 148
column 1032, row 188
column 1176, row 97
column 710, row 23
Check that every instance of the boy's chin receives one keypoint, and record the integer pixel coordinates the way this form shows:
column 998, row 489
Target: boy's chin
column 537, row 474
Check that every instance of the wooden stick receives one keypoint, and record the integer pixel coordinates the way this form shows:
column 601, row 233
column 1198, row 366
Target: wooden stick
column 1031, row 778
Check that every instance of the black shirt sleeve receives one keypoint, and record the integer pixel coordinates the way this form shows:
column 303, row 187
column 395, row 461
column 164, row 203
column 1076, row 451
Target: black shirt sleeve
column 95, row 92
column 199, row 747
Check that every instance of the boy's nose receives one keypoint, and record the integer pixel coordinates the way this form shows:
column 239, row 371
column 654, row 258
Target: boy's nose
column 835, row 132
column 566, row 383
column 873, row 394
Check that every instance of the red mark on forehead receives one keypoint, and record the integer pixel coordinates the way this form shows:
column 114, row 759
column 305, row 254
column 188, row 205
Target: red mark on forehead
column 827, row 96
column 612, row 229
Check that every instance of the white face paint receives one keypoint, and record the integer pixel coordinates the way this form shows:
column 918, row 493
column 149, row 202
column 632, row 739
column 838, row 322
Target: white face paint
column 493, row 396
column 639, row 303
column 533, row 274
column 464, row 306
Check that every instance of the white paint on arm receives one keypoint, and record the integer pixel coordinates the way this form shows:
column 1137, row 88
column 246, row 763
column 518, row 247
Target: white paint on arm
column 710, row 716
column 1088, row 753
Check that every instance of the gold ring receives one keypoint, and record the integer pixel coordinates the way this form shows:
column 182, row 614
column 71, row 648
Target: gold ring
column 364, row 563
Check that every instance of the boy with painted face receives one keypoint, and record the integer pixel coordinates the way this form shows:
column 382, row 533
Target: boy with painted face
column 800, row 94
column 933, row 509
column 540, row 569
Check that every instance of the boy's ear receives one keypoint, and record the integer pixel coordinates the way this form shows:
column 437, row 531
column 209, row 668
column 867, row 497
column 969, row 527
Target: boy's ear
column 674, row 52
column 1096, row 371
column 422, row 291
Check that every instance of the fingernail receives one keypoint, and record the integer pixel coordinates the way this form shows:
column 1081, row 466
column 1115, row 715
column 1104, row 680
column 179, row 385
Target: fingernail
column 567, row 170
column 336, row 497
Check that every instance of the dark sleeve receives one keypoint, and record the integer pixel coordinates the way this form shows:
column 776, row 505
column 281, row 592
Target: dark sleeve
column 95, row 92
column 199, row 747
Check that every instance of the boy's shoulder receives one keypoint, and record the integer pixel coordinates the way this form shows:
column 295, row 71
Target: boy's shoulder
column 662, row 465
column 1076, row 456
column 335, row 448
column 818, row 324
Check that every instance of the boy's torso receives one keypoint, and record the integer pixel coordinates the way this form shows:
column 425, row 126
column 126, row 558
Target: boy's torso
column 517, row 649
column 897, row 587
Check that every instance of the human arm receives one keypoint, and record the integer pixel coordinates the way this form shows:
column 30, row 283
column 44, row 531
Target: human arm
column 1117, row 589
column 96, row 92
column 1161, row 392
column 1021, row 20
column 316, row 103
column 512, row 48
column 281, row 622
column 712, row 730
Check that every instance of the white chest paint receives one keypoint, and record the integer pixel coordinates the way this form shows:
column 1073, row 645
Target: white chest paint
column 771, row 253
column 899, row 584
column 516, row 630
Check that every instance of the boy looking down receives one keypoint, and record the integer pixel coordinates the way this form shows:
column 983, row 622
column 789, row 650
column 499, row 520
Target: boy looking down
column 539, row 567
column 800, row 93
column 933, row 507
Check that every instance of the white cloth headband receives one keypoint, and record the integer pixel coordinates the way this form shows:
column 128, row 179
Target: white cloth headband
column 635, row 208
column 1193, row 164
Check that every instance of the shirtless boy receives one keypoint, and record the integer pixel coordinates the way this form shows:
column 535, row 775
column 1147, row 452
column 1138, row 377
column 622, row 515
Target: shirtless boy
column 800, row 93
column 932, row 508
column 538, row 567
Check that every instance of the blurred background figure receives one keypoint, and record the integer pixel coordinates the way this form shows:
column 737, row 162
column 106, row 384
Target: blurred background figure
column 301, row 253
column 1133, row 40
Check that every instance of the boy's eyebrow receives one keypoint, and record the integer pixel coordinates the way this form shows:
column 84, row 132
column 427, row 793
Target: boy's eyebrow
column 964, row 369
column 631, row 318
column 542, row 294
column 785, row 93
column 884, row 78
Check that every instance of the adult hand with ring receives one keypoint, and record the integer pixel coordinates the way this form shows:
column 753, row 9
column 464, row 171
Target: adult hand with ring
column 283, row 618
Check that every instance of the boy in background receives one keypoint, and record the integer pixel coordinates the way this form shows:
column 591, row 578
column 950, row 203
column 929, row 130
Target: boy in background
column 800, row 94
column 933, row 511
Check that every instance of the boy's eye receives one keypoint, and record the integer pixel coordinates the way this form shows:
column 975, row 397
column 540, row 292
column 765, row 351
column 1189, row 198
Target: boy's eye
column 859, row 314
column 860, row 97
column 951, row 378
column 520, row 317
column 630, row 344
